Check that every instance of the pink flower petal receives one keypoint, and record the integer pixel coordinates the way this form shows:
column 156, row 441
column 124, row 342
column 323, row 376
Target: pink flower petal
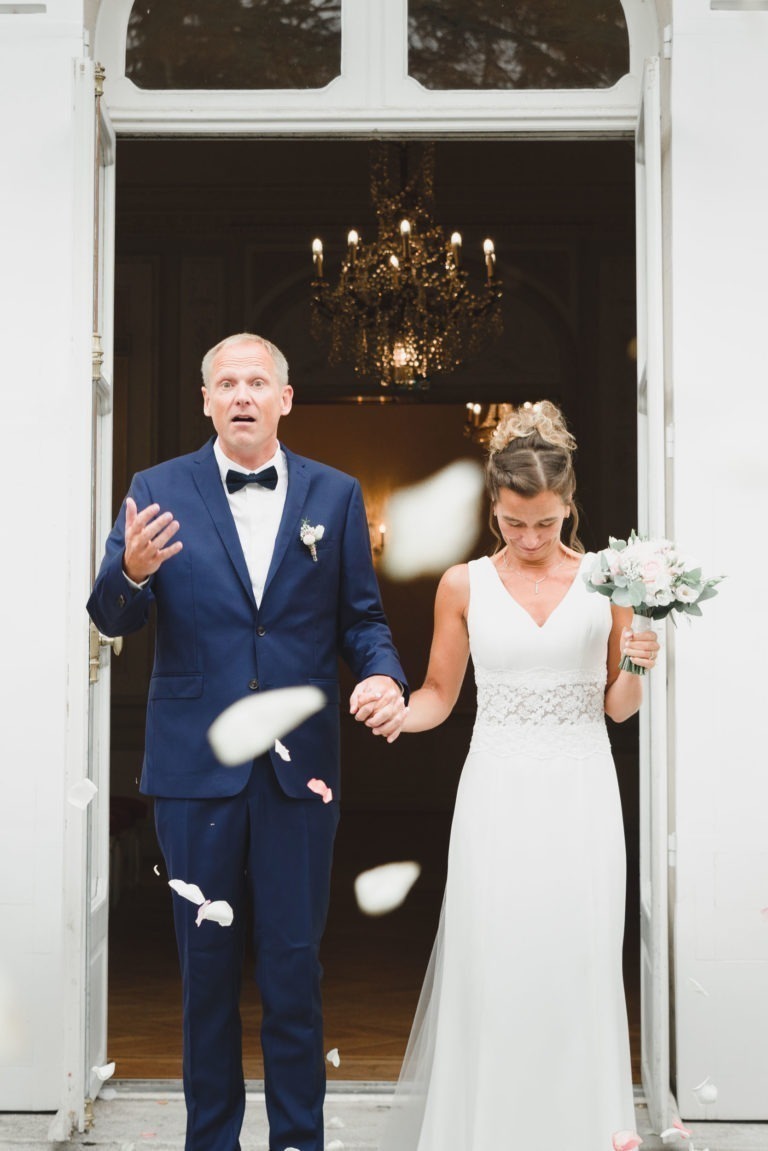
column 320, row 787
column 764, row 913
column 626, row 1140
column 217, row 910
column 683, row 1130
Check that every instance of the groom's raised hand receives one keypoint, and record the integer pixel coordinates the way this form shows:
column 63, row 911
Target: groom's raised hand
column 378, row 703
column 147, row 540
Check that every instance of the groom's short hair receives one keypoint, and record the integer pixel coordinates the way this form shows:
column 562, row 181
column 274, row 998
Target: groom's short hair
column 278, row 359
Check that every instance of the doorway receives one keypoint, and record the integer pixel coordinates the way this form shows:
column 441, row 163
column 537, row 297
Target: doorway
column 215, row 237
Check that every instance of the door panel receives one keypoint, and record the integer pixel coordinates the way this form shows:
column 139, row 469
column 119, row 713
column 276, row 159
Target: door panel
column 654, row 959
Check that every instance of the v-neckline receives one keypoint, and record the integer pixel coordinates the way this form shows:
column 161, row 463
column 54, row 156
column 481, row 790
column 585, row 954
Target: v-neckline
column 524, row 610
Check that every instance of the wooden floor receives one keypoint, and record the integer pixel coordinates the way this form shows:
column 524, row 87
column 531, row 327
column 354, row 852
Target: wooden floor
column 373, row 967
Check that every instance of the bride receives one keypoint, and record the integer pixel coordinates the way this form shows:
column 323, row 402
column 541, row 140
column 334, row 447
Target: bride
column 520, row 1038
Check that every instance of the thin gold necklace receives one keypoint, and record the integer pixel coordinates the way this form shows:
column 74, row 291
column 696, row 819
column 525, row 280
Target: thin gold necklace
column 534, row 581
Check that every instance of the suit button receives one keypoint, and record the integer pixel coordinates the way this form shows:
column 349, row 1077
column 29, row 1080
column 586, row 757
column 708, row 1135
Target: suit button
column 253, row 684
column 261, row 631
column 121, row 601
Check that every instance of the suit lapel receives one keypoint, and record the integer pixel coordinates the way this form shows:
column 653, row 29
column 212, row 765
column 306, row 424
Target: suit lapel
column 298, row 486
column 208, row 480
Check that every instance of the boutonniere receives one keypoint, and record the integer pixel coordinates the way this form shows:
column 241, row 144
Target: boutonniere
column 309, row 536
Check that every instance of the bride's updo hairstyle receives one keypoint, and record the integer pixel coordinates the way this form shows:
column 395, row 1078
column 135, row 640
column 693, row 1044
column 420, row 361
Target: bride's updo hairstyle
column 531, row 451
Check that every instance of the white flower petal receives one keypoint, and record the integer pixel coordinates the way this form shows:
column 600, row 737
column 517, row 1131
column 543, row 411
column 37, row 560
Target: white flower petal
column 105, row 1072
column 282, row 751
column 334, row 1145
column 384, row 888
column 334, row 1057
column 433, row 524
column 219, row 911
column 319, row 531
column 250, row 727
column 107, row 1094
column 188, row 891
column 80, row 794
column 334, row 1123
column 706, row 1091
column 156, row 869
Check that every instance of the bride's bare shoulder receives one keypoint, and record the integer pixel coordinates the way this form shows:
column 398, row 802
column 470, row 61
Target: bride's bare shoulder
column 453, row 589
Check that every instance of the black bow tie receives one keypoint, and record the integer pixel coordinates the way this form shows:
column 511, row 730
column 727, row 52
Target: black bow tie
column 237, row 480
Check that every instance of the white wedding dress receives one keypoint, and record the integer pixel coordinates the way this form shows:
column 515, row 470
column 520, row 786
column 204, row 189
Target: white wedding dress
column 520, row 1041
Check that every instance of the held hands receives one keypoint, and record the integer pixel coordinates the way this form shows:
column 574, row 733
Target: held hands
column 378, row 703
column 147, row 537
column 642, row 647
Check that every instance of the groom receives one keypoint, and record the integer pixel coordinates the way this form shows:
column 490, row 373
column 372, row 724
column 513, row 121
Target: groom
column 213, row 540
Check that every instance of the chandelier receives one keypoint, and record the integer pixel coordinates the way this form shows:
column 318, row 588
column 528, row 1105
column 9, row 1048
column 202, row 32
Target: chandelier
column 402, row 308
column 481, row 421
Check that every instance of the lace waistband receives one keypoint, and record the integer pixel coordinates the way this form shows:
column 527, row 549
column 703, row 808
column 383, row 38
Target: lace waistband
column 541, row 712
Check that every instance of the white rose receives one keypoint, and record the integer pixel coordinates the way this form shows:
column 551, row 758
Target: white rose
column 686, row 594
column 598, row 577
column 319, row 532
column 308, row 537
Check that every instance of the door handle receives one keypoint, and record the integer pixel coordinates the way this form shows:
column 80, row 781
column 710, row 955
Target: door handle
column 97, row 643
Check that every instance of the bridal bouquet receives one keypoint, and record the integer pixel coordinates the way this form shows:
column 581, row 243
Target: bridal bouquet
column 651, row 577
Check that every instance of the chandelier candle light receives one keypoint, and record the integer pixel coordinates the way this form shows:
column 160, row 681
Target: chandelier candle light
column 402, row 308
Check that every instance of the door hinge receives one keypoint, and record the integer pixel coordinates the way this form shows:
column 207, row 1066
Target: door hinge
column 666, row 50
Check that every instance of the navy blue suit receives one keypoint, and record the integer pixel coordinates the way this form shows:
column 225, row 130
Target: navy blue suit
column 254, row 834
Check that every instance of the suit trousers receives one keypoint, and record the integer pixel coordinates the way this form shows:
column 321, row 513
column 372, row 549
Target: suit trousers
column 268, row 855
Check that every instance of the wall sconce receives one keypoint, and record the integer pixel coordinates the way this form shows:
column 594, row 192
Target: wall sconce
column 378, row 534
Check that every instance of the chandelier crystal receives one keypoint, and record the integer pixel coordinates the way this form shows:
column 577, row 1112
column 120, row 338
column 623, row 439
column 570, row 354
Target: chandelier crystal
column 402, row 309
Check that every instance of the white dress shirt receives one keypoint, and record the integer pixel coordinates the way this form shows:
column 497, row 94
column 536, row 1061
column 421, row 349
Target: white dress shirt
column 257, row 512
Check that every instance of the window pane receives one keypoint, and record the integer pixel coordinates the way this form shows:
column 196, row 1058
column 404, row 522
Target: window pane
column 496, row 44
column 233, row 43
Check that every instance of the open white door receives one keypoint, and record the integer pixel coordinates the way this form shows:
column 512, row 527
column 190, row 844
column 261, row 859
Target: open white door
column 654, row 941
column 86, row 868
column 97, row 914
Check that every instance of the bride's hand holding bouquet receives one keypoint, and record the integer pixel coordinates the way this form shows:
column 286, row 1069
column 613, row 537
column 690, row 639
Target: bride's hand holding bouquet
column 651, row 577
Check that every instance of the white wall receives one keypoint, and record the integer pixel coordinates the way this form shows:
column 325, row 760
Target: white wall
column 719, row 303
column 45, row 477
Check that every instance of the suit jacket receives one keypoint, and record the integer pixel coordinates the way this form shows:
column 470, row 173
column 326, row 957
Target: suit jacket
column 214, row 645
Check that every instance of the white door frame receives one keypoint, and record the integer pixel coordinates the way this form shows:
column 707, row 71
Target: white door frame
column 375, row 95
column 652, row 520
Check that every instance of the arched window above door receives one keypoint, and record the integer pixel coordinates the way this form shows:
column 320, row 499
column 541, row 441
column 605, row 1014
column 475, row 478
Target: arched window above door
column 363, row 67
column 455, row 44
column 233, row 44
